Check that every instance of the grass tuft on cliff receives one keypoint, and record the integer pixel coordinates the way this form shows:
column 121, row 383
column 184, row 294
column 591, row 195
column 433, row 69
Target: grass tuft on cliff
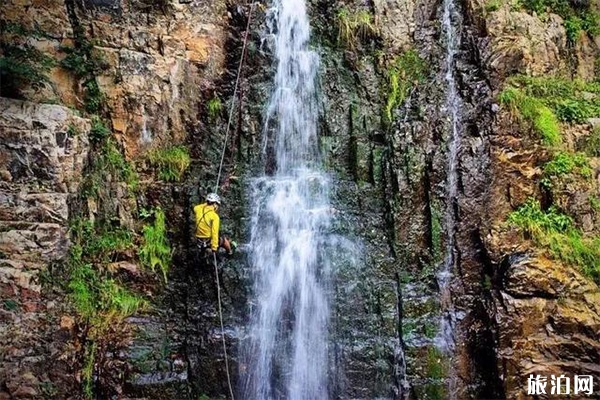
column 557, row 233
column 155, row 251
column 354, row 27
column 171, row 163
column 532, row 110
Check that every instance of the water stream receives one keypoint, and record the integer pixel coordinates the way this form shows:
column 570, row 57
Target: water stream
column 287, row 349
column 446, row 339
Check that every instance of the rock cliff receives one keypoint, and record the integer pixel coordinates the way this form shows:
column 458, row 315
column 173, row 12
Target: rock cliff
column 112, row 118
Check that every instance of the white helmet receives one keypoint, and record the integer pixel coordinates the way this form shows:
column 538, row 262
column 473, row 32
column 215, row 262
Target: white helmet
column 213, row 198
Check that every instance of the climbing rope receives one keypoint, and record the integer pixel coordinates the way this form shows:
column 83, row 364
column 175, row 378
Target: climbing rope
column 222, row 327
column 235, row 88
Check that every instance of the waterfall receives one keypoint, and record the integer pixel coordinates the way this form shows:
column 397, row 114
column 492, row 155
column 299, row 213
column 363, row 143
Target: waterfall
column 287, row 349
column 453, row 104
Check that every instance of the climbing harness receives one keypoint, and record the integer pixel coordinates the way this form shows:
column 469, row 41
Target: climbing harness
column 237, row 80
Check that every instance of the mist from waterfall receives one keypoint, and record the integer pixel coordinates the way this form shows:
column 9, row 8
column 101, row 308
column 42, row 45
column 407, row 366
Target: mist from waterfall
column 287, row 349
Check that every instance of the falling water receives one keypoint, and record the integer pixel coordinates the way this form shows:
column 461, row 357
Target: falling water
column 453, row 104
column 288, row 354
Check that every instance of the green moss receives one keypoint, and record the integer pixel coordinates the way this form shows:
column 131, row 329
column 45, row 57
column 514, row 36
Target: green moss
column 109, row 165
column 557, row 233
column 407, row 71
column 155, row 251
column 171, row 162
column 436, row 363
column 544, row 100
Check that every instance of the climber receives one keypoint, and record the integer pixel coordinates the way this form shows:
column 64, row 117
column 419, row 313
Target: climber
column 207, row 226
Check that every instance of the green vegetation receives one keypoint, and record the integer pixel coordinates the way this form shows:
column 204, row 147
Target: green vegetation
column 86, row 64
column 407, row 71
column 591, row 146
column 87, row 372
column 214, row 108
column 594, row 203
column 171, row 162
column 98, row 131
column 436, row 370
column 571, row 100
column 72, row 130
column 492, row 5
column 99, row 300
column 565, row 164
column 557, row 233
column 22, row 66
column 578, row 17
column 155, row 250
column 108, row 165
column 354, row 27
column 542, row 119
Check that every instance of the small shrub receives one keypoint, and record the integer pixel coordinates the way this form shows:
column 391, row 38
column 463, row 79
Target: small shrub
column 594, row 203
column 87, row 372
column 574, row 111
column 573, row 26
column 155, row 250
column 98, row 131
column 565, row 163
column 171, row 162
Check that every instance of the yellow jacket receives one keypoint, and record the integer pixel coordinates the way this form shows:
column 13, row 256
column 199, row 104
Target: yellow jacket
column 207, row 224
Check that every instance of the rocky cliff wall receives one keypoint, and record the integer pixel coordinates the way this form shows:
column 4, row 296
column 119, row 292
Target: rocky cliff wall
column 144, row 76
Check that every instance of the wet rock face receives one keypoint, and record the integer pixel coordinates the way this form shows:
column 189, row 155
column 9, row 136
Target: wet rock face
column 42, row 167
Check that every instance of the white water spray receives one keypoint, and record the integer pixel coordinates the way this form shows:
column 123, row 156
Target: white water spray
column 287, row 353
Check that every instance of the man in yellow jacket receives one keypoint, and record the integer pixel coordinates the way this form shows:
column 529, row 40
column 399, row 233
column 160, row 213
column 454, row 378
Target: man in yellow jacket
column 208, row 223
